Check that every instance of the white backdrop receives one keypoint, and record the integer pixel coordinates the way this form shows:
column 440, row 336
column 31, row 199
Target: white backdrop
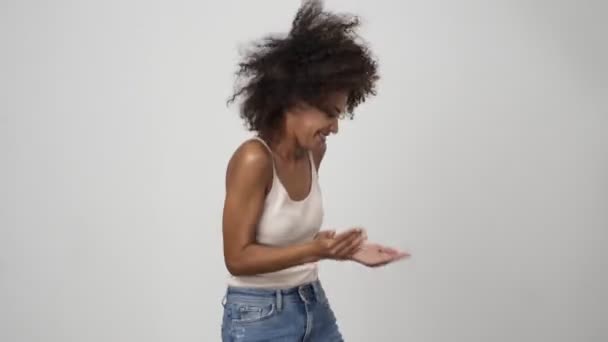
column 485, row 155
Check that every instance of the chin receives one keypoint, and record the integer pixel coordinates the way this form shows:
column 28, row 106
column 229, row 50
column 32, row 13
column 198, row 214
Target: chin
column 315, row 144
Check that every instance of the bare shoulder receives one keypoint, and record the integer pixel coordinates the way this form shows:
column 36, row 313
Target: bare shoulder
column 318, row 155
column 251, row 161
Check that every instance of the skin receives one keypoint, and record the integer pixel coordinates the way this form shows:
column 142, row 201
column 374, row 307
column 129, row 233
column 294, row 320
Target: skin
column 248, row 180
column 375, row 255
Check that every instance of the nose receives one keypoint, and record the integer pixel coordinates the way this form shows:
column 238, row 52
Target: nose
column 334, row 126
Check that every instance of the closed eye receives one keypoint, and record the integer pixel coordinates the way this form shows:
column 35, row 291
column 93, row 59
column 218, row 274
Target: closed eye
column 338, row 113
column 330, row 113
column 333, row 113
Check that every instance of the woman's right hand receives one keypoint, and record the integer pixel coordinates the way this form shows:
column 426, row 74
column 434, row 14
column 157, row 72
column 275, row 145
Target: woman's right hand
column 329, row 245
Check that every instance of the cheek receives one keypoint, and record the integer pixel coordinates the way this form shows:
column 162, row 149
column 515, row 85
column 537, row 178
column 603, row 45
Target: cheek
column 310, row 123
column 317, row 126
column 313, row 124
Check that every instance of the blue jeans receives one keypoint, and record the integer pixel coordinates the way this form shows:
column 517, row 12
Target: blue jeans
column 300, row 313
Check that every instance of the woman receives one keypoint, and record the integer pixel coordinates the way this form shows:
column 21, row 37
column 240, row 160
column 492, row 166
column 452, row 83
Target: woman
column 295, row 89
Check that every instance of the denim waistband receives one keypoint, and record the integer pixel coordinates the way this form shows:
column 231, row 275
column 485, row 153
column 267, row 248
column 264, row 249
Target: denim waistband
column 308, row 292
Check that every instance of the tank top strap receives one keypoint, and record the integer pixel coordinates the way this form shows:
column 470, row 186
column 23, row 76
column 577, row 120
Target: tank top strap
column 255, row 137
column 267, row 147
column 313, row 167
column 311, row 158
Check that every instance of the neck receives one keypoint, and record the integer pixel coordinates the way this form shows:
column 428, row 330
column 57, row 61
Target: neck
column 285, row 145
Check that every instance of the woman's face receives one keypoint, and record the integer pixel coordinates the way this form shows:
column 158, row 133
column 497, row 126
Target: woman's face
column 312, row 125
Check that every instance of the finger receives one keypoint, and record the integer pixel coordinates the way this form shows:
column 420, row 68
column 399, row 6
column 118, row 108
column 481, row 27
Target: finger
column 354, row 230
column 348, row 232
column 357, row 246
column 397, row 253
column 359, row 249
column 384, row 261
column 350, row 249
column 364, row 233
column 402, row 255
column 338, row 250
column 394, row 258
column 347, row 237
column 347, row 253
column 339, row 238
column 340, row 246
column 390, row 251
column 325, row 233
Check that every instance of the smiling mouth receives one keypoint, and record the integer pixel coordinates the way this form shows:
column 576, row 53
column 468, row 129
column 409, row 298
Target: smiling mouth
column 322, row 137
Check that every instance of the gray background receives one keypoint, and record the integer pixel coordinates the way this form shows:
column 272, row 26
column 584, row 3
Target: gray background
column 485, row 155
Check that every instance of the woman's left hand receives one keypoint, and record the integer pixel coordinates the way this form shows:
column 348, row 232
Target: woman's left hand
column 374, row 255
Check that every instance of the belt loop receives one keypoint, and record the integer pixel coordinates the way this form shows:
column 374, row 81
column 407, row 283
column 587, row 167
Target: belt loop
column 224, row 300
column 318, row 290
column 279, row 300
column 302, row 293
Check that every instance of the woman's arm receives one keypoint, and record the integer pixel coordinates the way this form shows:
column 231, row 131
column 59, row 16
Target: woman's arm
column 248, row 175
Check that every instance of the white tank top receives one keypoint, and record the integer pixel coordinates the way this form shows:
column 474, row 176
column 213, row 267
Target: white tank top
column 284, row 222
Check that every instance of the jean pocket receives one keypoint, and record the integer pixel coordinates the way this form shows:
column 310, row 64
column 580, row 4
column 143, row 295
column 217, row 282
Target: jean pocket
column 251, row 313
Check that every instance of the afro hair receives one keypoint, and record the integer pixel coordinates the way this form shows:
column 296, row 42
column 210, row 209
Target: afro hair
column 321, row 54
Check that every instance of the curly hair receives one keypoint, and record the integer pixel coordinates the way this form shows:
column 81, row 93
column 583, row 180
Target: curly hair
column 320, row 54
